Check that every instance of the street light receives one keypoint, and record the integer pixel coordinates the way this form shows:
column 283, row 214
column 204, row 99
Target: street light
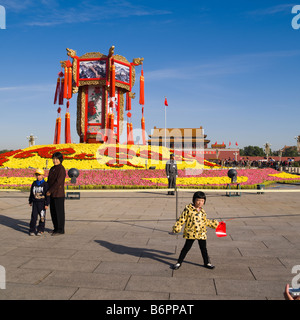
column 267, row 149
column 298, row 143
column 235, row 155
column 31, row 139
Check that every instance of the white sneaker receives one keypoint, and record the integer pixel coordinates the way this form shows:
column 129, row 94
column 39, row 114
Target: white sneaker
column 31, row 233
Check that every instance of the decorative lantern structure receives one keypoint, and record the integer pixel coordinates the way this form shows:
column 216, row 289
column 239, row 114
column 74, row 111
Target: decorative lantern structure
column 104, row 84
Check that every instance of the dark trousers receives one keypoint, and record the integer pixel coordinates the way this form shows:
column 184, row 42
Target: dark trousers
column 187, row 247
column 171, row 183
column 57, row 210
column 37, row 208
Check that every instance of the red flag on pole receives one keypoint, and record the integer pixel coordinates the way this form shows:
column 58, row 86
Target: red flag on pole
column 166, row 102
column 236, row 144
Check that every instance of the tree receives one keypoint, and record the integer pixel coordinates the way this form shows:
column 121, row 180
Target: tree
column 290, row 152
column 252, row 151
column 4, row 151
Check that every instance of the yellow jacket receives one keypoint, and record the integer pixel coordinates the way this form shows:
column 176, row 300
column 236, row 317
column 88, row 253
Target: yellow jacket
column 195, row 223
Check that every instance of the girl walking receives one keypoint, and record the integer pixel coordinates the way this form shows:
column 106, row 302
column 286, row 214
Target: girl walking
column 195, row 219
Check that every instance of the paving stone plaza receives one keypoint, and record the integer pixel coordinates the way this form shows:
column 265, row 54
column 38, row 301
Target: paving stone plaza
column 117, row 246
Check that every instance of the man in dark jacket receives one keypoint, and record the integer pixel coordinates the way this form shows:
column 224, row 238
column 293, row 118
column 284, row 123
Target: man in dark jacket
column 171, row 172
column 56, row 181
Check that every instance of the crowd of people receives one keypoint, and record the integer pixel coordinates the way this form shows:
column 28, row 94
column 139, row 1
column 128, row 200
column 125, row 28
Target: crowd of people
column 263, row 163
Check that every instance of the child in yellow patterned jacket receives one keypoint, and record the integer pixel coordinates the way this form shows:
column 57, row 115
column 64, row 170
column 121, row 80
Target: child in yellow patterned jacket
column 195, row 220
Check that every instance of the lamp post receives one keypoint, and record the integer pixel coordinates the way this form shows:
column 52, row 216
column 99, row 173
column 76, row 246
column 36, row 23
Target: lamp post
column 298, row 143
column 280, row 154
column 31, row 139
column 235, row 155
column 267, row 149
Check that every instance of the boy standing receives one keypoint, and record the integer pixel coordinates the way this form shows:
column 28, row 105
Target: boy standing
column 39, row 203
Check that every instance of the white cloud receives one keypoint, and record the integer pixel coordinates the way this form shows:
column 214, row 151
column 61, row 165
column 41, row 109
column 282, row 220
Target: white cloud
column 281, row 8
column 235, row 64
column 29, row 88
column 17, row 5
column 52, row 13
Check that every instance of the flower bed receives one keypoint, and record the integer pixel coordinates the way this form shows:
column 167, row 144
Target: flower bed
column 99, row 156
column 97, row 179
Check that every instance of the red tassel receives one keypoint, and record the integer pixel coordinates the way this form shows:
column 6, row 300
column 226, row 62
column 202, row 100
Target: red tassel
column 128, row 133
column 142, row 94
column 131, row 134
column 113, row 81
column 57, row 128
column 69, row 83
column 66, row 84
column 55, row 133
column 143, row 130
column 128, row 102
column 109, row 127
column 67, row 125
column 61, row 92
column 112, row 122
column 112, row 128
column 57, row 90
column 106, row 128
column 111, row 104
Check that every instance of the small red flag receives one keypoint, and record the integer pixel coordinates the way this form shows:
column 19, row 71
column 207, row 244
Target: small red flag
column 166, row 102
column 236, row 144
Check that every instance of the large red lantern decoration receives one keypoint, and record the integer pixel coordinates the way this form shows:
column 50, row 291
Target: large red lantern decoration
column 104, row 86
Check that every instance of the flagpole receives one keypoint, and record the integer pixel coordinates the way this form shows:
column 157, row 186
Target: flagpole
column 165, row 125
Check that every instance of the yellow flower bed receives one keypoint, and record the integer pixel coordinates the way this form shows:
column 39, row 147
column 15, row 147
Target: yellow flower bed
column 16, row 180
column 19, row 180
column 284, row 175
column 198, row 180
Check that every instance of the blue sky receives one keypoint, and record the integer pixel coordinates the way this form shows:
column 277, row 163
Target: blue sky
column 229, row 66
